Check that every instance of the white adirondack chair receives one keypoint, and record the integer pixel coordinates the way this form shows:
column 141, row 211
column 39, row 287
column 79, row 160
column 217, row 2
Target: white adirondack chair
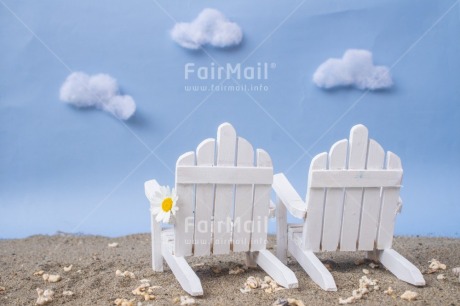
column 351, row 204
column 224, row 199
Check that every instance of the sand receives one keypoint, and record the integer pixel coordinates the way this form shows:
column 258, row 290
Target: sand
column 93, row 280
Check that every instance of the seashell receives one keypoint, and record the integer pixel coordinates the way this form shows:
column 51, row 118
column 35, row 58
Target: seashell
column 39, row 273
column 67, row 269
column 149, row 297
column 124, row 302
column 279, row 289
column 252, row 282
column 44, row 297
column 125, row 274
column 409, row 295
column 389, row 291
column 67, row 293
column 51, row 278
column 113, row 245
column 264, row 286
column 294, row 302
column 441, row 277
column 435, row 265
column 365, row 271
column 349, row 300
column 141, row 290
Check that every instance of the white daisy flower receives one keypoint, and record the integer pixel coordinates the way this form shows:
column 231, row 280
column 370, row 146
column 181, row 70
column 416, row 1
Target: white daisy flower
column 163, row 204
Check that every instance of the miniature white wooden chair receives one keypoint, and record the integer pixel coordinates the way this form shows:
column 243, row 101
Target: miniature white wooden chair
column 351, row 204
column 223, row 200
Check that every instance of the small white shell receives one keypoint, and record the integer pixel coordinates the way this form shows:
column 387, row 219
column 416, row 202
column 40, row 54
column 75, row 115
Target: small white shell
column 124, row 302
column 125, row 274
column 435, row 265
column 67, row 269
column 409, row 295
column 349, row 300
column 294, row 302
column 389, row 291
column 44, row 297
column 252, row 282
column 51, row 278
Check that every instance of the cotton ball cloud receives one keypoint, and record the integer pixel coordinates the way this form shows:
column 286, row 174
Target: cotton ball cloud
column 211, row 27
column 355, row 68
column 100, row 91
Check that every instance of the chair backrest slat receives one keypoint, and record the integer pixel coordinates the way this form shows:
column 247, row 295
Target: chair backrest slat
column 353, row 196
column 243, row 200
column 390, row 207
column 352, row 199
column 205, row 155
column 371, row 201
column 261, row 206
column 223, row 198
column 226, row 151
column 334, row 198
column 185, row 228
column 315, row 206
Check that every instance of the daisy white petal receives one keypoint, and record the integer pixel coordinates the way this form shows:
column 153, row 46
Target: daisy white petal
column 155, row 210
column 159, row 217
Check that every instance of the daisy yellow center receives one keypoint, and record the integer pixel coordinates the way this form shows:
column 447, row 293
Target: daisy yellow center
column 167, row 204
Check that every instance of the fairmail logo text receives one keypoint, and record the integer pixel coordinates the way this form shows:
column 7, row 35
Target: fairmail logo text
column 259, row 71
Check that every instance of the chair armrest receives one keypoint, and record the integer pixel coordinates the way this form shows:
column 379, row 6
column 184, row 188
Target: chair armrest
column 150, row 187
column 290, row 198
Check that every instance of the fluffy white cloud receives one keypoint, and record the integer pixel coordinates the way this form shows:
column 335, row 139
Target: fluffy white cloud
column 355, row 68
column 210, row 27
column 100, row 91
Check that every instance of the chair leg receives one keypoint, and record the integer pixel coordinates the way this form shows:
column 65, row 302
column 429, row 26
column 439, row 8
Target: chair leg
column 313, row 266
column 183, row 272
column 276, row 269
column 281, row 231
column 249, row 260
column 157, row 257
column 399, row 266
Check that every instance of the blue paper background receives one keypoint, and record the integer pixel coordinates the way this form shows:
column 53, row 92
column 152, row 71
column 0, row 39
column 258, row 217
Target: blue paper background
column 83, row 170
